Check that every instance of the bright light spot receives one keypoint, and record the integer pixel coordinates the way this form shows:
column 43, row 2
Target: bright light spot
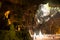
column 9, row 22
column 7, row 13
column 40, row 35
column 34, row 36
column 38, row 20
column 46, row 9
